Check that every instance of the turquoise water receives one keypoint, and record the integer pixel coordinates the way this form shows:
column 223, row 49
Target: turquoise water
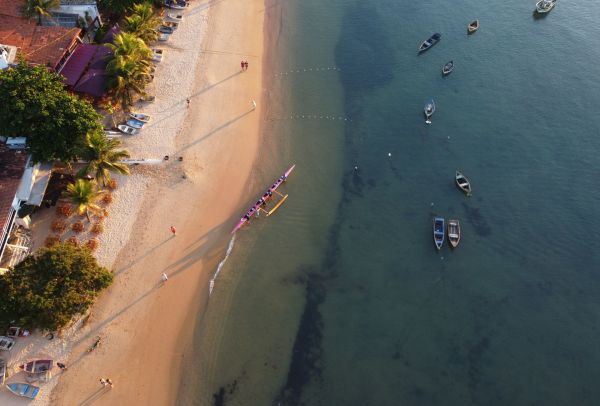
column 341, row 298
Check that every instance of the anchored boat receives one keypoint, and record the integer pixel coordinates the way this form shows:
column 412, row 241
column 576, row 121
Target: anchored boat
column 463, row 183
column 448, row 68
column 261, row 204
column 438, row 232
column 473, row 26
column 429, row 109
column 429, row 42
column 453, row 233
column 544, row 6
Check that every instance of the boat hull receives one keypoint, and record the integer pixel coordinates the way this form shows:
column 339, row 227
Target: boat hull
column 438, row 232
column 264, row 198
column 453, row 233
column 23, row 389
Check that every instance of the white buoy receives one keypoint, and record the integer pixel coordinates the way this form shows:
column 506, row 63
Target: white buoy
column 389, row 154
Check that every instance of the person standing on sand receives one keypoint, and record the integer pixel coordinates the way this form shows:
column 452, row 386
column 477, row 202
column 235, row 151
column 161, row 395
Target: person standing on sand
column 103, row 382
column 188, row 102
column 109, row 382
column 246, row 65
column 253, row 105
column 173, row 230
column 164, row 277
column 242, row 64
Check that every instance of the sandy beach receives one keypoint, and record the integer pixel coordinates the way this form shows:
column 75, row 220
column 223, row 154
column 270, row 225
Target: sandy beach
column 145, row 326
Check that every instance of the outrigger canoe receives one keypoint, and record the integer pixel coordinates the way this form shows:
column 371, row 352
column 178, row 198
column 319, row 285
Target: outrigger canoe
column 262, row 201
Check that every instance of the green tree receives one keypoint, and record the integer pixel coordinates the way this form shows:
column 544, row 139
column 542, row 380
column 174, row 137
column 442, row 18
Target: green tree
column 103, row 156
column 83, row 194
column 116, row 8
column 35, row 104
column 129, row 69
column 39, row 8
column 49, row 288
column 143, row 23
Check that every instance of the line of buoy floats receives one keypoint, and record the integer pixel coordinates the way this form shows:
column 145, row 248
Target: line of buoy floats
column 310, row 117
column 313, row 69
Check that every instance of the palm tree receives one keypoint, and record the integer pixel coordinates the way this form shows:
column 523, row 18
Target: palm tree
column 129, row 70
column 39, row 8
column 103, row 157
column 83, row 193
column 143, row 22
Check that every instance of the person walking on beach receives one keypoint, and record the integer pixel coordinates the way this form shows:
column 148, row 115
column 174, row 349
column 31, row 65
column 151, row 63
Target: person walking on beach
column 61, row 365
column 243, row 65
column 109, row 382
column 188, row 102
column 103, row 382
column 173, row 230
column 246, row 65
column 253, row 105
column 164, row 278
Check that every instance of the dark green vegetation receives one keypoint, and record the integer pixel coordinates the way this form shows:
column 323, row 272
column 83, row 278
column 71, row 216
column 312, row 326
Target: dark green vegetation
column 39, row 8
column 48, row 289
column 35, row 104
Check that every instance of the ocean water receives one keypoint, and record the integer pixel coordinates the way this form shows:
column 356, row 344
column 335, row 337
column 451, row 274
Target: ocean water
column 340, row 298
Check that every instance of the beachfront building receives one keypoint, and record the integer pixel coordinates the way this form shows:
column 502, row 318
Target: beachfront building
column 50, row 46
column 22, row 188
column 82, row 14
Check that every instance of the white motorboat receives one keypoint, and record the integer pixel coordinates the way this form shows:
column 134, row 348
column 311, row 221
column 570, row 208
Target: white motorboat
column 429, row 109
column 544, row 6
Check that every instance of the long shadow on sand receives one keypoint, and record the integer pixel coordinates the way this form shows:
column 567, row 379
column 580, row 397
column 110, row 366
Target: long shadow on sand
column 216, row 130
column 94, row 397
column 182, row 102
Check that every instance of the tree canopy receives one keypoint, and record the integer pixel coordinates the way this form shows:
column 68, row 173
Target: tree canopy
column 46, row 290
column 35, row 104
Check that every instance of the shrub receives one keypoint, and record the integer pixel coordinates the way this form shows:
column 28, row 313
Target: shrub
column 97, row 228
column 107, row 198
column 58, row 226
column 77, row 227
column 51, row 240
column 64, row 210
column 92, row 244
column 112, row 184
column 73, row 241
column 46, row 290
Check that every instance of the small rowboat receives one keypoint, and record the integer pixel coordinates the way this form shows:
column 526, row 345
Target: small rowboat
column 453, row 233
column 132, row 122
column 6, row 343
column 473, row 26
column 144, row 118
column 448, row 68
column 127, row 129
column 544, row 6
column 438, row 232
column 23, row 389
column 262, row 202
column 177, row 17
column 429, row 109
column 429, row 42
column 463, row 183
column 38, row 366
column 2, row 371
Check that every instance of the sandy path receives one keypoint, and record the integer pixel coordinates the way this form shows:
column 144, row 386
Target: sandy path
column 145, row 326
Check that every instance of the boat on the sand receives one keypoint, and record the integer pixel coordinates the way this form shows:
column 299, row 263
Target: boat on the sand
column 453, row 232
column 438, row 232
column 23, row 389
column 38, row 366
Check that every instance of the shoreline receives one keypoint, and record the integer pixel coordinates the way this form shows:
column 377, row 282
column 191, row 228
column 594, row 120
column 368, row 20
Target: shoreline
column 145, row 327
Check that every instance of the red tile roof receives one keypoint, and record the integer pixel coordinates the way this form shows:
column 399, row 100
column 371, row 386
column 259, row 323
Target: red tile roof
column 11, row 7
column 37, row 44
column 12, row 166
